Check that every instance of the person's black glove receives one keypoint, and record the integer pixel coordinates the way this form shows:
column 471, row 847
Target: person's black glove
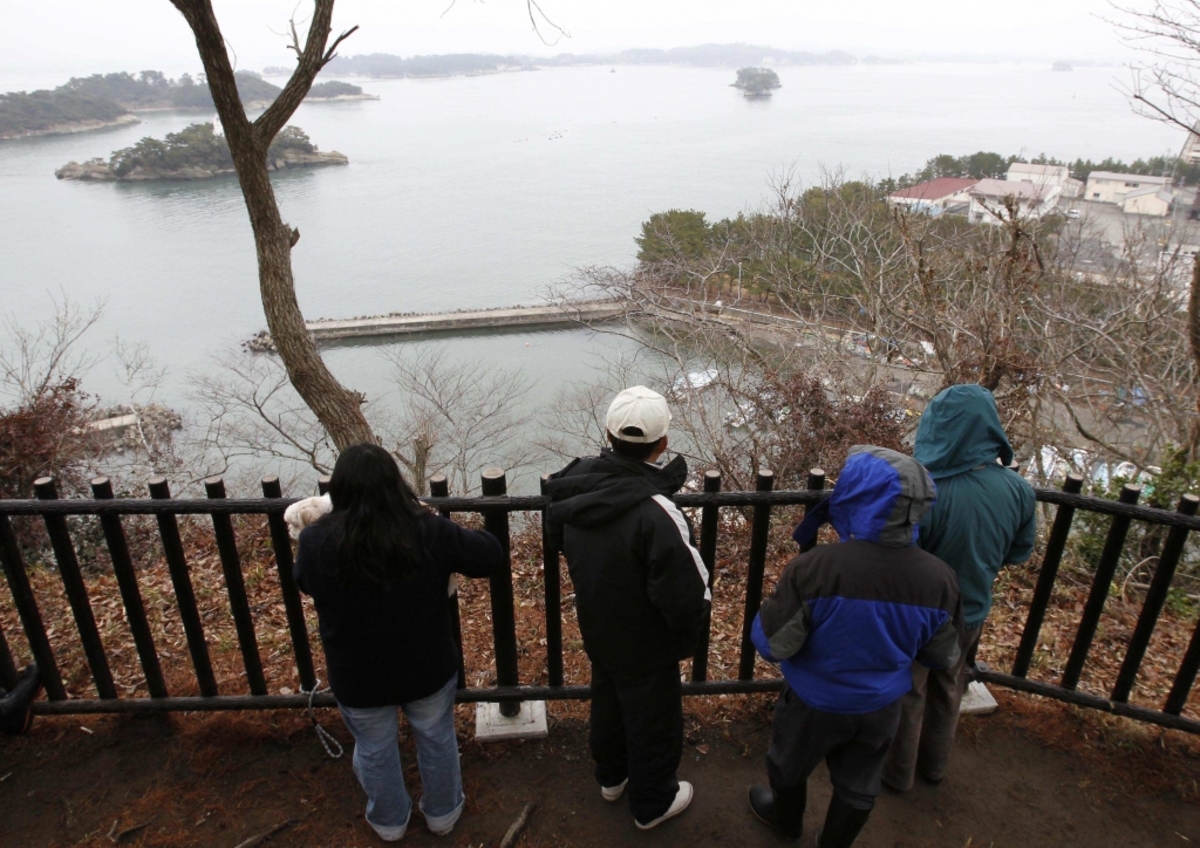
column 15, row 707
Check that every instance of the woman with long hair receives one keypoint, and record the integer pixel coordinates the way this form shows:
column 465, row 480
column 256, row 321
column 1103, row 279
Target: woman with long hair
column 377, row 567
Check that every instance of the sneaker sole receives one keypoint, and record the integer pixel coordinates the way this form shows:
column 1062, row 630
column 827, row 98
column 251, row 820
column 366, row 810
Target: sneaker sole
column 613, row 793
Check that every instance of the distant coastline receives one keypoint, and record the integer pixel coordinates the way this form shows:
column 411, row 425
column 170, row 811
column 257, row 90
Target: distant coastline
column 391, row 66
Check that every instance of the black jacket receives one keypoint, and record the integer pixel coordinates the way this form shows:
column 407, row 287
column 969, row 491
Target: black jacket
column 391, row 645
column 640, row 586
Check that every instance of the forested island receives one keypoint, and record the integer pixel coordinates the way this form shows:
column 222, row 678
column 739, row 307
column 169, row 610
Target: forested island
column 105, row 100
column 756, row 82
column 196, row 152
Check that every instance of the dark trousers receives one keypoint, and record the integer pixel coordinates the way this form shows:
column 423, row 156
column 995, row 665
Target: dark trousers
column 853, row 746
column 929, row 718
column 637, row 733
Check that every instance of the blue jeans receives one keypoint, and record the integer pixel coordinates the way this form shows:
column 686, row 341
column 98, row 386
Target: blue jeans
column 377, row 762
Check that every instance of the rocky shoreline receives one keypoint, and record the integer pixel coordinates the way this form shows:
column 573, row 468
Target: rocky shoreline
column 131, row 117
column 338, row 97
column 98, row 170
column 74, row 127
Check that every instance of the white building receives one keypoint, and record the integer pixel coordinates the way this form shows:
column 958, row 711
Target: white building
column 1191, row 146
column 1151, row 200
column 1046, row 175
column 1109, row 187
column 934, row 196
column 990, row 200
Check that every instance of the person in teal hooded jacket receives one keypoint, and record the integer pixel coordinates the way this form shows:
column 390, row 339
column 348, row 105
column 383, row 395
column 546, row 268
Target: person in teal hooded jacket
column 984, row 519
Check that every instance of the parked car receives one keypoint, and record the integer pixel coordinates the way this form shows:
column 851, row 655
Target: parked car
column 1074, row 213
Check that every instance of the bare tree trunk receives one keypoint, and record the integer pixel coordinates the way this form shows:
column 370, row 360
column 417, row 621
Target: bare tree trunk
column 336, row 407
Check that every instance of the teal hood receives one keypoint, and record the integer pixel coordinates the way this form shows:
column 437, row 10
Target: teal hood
column 960, row 430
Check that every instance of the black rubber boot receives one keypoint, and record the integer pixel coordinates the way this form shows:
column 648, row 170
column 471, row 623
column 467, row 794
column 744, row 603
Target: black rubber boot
column 842, row 825
column 783, row 811
column 15, row 714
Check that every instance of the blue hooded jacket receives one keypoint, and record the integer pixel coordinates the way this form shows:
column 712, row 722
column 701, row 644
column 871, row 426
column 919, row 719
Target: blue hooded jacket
column 846, row 621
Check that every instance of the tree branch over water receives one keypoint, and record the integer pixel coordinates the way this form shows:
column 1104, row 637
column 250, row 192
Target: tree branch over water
column 336, row 407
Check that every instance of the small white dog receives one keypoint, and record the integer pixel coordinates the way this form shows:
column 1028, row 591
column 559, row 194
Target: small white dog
column 303, row 513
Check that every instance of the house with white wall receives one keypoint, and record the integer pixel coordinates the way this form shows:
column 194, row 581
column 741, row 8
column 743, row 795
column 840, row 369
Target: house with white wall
column 1045, row 175
column 1110, row 187
column 1151, row 200
column 1191, row 146
column 990, row 200
column 933, row 197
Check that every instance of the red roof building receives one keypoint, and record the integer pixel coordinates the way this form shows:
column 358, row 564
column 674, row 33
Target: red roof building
column 939, row 193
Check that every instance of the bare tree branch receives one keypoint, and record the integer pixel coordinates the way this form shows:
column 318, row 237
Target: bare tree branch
column 336, row 407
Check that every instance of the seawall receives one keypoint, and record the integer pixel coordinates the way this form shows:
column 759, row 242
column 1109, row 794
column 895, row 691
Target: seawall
column 449, row 322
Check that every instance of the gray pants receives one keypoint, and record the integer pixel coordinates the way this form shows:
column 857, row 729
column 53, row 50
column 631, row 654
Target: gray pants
column 928, row 720
column 853, row 746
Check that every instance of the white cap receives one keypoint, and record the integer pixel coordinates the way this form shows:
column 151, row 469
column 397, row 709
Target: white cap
column 641, row 409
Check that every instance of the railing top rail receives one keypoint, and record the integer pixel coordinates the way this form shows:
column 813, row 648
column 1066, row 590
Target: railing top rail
column 527, row 503
column 1149, row 514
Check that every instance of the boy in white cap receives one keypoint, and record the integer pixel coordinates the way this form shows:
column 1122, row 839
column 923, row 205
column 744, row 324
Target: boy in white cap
column 640, row 590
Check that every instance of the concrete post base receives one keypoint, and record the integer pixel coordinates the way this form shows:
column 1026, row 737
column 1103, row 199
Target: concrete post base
column 977, row 700
column 529, row 723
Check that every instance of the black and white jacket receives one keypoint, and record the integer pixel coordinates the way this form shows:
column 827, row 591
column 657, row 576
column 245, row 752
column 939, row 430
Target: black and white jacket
column 641, row 588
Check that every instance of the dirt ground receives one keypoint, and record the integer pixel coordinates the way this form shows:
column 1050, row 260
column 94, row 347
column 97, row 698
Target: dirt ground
column 1017, row 779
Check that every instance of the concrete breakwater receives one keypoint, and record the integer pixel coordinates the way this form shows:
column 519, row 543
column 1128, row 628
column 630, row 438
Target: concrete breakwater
column 543, row 317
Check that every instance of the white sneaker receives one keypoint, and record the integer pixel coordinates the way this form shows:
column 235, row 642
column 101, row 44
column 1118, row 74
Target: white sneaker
column 614, row 793
column 682, row 799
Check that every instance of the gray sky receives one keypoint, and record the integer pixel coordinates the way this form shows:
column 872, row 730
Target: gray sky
column 81, row 36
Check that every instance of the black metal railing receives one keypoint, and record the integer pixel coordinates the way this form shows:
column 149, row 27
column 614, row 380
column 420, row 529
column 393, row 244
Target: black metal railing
column 495, row 506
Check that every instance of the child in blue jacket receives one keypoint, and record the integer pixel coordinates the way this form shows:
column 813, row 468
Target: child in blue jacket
column 846, row 622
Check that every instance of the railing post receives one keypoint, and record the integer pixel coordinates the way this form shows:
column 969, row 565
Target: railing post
column 1156, row 597
column 185, row 597
column 439, row 487
column 1056, row 543
column 504, row 631
column 1186, row 678
column 281, row 544
column 816, row 483
column 709, row 517
column 8, row 668
column 27, row 608
column 1106, row 568
column 323, row 484
column 235, row 586
column 759, row 529
column 131, row 594
column 552, row 579
column 68, row 570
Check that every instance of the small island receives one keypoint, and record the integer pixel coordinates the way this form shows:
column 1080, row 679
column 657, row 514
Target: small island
column 336, row 90
column 196, row 152
column 1061, row 66
column 756, row 82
